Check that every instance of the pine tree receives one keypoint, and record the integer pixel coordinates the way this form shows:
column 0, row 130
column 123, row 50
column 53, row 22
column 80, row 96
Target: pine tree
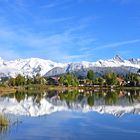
column 90, row 75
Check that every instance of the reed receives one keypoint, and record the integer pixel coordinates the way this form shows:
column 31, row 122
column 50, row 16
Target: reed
column 3, row 121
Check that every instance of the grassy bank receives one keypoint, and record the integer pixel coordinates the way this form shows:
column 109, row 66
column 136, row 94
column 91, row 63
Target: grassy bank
column 38, row 88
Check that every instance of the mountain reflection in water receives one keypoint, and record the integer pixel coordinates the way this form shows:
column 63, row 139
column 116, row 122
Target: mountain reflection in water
column 36, row 104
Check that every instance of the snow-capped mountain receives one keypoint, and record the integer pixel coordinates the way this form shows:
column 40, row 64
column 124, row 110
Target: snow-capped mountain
column 26, row 67
column 32, row 66
column 116, row 64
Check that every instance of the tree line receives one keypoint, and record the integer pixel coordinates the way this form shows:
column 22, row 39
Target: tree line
column 71, row 79
column 22, row 80
column 130, row 79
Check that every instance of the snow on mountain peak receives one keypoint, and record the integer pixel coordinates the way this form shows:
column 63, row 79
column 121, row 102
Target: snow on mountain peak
column 29, row 67
column 32, row 66
column 118, row 58
column 134, row 61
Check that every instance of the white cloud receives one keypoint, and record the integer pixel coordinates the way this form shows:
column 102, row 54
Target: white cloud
column 71, row 58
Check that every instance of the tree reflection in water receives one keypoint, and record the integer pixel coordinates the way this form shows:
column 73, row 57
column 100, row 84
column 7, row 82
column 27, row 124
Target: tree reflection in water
column 74, row 96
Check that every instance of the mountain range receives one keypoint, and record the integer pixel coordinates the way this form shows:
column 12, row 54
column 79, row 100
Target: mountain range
column 32, row 66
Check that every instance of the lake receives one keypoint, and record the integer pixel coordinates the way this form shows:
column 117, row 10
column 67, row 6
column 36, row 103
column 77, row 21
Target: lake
column 71, row 115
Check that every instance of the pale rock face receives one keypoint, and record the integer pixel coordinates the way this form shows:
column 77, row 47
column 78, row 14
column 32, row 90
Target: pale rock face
column 32, row 66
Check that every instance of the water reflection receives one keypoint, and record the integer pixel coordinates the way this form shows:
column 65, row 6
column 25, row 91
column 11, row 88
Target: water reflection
column 35, row 104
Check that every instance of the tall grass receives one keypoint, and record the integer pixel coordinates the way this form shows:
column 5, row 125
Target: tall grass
column 4, row 123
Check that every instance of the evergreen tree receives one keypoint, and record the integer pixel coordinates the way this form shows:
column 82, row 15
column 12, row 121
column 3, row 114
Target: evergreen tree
column 90, row 75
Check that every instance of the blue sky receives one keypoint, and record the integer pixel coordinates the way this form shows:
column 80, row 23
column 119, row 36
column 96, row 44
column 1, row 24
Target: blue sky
column 69, row 30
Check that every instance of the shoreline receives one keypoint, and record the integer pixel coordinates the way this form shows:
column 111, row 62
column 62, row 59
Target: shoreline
column 7, row 90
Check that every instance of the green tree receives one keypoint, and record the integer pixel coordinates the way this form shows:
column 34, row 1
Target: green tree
column 100, row 81
column 72, row 80
column 110, row 78
column 69, row 80
column 29, row 81
column 20, row 80
column 96, row 81
column 38, row 79
column 90, row 75
column 133, row 79
column 61, row 80
column 11, row 82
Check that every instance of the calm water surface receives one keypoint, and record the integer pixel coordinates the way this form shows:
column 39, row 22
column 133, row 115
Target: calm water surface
column 72, row 115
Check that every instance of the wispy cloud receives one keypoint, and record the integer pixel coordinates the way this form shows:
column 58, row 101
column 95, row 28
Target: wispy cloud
column 56, row 4
column 116, row 44
column 73, row 58
column 54, row 44
column 91, row 51
column 47, row 40
column 54, row 21
column 52, row 28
